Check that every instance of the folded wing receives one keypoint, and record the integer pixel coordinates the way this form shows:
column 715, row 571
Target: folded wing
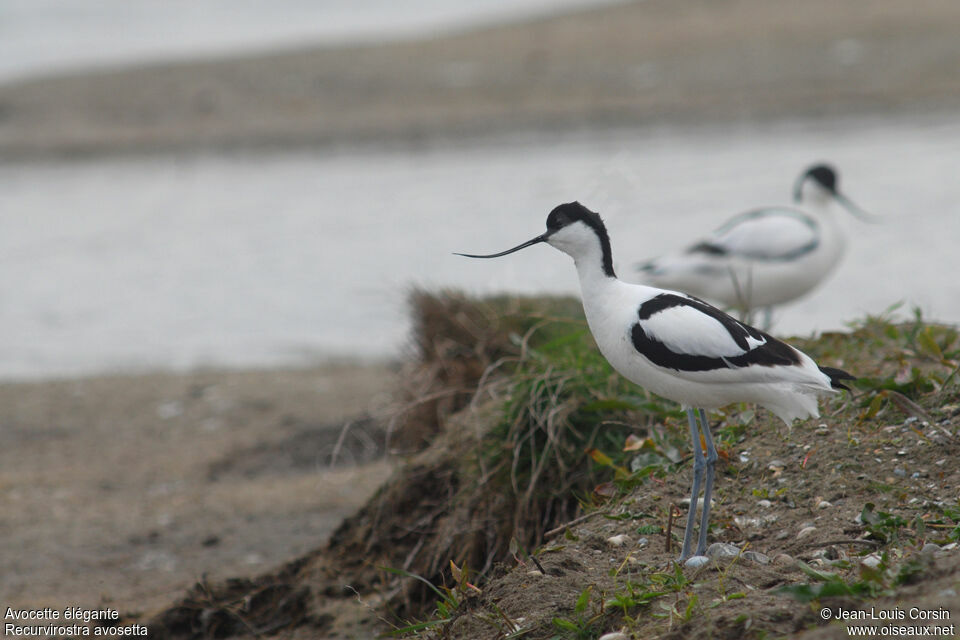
column 694, row 339
column 764, row 234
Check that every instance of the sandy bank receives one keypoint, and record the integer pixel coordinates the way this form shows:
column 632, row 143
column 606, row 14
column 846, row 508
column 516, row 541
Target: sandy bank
column 125, row 490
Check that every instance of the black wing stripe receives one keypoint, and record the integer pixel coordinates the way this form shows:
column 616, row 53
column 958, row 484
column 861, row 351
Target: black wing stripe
column 708, row 248
column 737, row 330
column 769, row 354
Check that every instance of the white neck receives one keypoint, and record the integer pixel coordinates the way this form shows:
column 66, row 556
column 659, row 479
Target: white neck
column 590, row 271
column 815, row 197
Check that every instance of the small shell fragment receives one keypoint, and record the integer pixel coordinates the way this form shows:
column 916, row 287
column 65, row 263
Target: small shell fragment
column 619, row 540
column 805, row 532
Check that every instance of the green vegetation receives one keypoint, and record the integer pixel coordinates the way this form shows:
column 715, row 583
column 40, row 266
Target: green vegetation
column 560, row 437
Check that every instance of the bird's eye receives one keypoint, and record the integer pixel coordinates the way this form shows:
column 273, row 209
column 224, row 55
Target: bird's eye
column 557, row 220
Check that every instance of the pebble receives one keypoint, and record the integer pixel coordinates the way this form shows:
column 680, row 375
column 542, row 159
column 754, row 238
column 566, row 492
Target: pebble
column 950, row 547
column 756, row 556
column 695, row 562
column 824, row 504
column 169, row 409
column 616, row 635
column 782, row 559
column 720, row 550
column 805, row 532
column 766, row 504
column 930, row 548
column 872, row 560
column 745, row 522
column 829, row 553
column 618, row 541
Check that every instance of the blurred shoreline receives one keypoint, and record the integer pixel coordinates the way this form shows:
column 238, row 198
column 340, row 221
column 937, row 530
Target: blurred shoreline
column 695, row 65
column 623, row 65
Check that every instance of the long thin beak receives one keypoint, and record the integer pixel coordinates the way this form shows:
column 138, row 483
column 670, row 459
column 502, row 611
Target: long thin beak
column 854, row 210
column 537, row 240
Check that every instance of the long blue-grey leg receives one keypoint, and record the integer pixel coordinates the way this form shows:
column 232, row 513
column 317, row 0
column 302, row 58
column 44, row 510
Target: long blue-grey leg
column 698, row 467
column 711, row 465
column 767, row 318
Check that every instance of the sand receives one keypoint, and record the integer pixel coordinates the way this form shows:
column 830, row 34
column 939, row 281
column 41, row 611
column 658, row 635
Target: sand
column 125, row 490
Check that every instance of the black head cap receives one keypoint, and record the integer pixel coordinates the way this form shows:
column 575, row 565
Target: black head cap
column 825, row 175
column 566, row 214
column 822, row 174
column 569, row 213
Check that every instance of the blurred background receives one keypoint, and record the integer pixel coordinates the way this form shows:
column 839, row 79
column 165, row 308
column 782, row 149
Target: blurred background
column 193, row 186
column 217, row 183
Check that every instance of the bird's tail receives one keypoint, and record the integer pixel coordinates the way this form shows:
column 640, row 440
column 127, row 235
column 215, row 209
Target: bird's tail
column 837, row 376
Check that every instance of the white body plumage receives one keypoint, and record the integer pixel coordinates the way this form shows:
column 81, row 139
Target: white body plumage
column 611, row 306
column 765, row 257
column 683, row 349
column 677, row 346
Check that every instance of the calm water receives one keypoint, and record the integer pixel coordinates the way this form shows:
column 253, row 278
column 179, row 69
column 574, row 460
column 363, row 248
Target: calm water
column 184, row 261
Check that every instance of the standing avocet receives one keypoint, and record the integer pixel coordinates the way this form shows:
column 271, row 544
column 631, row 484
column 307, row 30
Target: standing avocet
column 765, row 257
column 681, row 348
